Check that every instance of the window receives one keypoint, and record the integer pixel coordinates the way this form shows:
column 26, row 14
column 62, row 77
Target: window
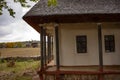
column 109, row 43
column 81, row 43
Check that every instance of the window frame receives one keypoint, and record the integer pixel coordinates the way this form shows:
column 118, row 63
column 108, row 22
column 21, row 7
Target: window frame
column 109, row 43
column 81, row 45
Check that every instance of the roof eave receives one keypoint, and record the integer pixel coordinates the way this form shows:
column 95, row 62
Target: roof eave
column 34, row 21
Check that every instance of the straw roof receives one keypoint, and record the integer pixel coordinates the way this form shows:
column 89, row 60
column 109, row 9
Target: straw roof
column 68, row 11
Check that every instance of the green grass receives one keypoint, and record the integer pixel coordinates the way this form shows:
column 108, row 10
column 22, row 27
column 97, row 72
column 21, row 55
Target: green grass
column 23, row 78
column 19, row 68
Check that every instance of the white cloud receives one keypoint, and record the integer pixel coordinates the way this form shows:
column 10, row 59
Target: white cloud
column 15, row 29
column 18, row 31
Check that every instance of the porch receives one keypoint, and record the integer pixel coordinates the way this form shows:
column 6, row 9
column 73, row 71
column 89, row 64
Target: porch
column 51, row 70
column 81, row 73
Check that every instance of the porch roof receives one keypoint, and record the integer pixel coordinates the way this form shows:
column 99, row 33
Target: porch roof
column 73, row 11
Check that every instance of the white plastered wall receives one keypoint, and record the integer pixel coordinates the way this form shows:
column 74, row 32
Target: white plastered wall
column 67, row 40
column 68, row 53
column 112, row 58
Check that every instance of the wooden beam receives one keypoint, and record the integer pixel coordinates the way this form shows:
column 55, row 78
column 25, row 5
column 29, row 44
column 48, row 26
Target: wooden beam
column 49, row 48
column 100, row 47
column 41, row 40
column 100, row 51
column 57, row 47
column 44, row 46
column 83, row 72
column 72, row 18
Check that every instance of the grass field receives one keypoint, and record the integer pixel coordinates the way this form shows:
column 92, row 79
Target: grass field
column 19, row 52
column 21, row 71
column 18, row 71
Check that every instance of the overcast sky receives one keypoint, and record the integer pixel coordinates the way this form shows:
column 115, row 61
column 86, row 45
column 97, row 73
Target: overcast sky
column 16, row 29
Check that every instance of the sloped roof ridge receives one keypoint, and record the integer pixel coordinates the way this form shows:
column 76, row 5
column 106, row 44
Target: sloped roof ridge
column 75, row 7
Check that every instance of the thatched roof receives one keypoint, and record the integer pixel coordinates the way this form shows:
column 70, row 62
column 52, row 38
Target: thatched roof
column 74, row 11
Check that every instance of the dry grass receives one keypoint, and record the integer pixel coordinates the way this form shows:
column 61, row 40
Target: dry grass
column 21, row 71
column 19, row 52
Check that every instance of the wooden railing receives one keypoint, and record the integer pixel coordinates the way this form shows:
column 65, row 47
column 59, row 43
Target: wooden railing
column 77, row 75
column 80, row 73
column 112, row 77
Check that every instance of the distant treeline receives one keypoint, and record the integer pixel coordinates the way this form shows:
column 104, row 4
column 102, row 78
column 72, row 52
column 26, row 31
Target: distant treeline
column 25, row 44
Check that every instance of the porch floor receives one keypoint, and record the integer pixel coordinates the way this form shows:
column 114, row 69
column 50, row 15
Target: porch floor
column 52, row 67
column 82, row 72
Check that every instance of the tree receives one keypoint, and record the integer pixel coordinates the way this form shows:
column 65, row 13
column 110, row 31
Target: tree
column 23, row 3
column 18, row 44
column 10, row 45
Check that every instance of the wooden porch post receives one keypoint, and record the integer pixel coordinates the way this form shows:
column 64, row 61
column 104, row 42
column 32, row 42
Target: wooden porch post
column 41, row 40
column 41, row 53
column 49, row 48
column 57, row 52
column 100, row 51
column 57, row 47
column 44, row 46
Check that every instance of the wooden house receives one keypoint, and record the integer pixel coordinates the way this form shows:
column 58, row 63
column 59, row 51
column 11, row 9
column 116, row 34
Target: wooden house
column 82, row 35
